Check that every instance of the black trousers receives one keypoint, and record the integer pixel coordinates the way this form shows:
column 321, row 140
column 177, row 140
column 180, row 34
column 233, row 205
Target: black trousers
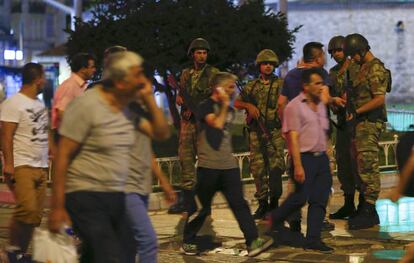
column 209, row 181
column 98, row 217
column 315, row 190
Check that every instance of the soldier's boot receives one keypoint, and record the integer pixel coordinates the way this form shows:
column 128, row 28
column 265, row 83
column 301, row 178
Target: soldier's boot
column 361, row 202
column 366, row 217
column 179, row 206
column 347, row 210
column 261, row 210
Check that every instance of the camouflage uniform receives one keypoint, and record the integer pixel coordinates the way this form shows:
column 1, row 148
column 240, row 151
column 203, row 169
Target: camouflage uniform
column 193, row 88
column 266, row 101
column 345, row 154
column 372, row 79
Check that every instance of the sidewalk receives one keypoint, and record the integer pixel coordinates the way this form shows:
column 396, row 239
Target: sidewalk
column 222, row 241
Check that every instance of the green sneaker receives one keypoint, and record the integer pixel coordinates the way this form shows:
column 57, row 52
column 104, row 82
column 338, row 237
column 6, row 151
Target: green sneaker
column 189, row 249
column 259, row 245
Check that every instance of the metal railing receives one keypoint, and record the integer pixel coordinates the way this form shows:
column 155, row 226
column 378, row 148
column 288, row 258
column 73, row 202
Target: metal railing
column 172, row 169
column 400, row 120
column 171, row 165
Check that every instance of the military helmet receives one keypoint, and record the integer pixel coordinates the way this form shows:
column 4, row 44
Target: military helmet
column 356, row 44
column 336, row 42
column 267, row 55
column 198, row 43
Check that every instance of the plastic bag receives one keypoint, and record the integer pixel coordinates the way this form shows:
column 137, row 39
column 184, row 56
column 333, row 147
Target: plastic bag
column 53, row 248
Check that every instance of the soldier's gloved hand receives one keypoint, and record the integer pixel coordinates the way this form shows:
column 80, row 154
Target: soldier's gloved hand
column 253, row 111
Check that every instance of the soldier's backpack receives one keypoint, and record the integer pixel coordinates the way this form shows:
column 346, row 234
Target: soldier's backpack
column 403, row 153
column 388, row 75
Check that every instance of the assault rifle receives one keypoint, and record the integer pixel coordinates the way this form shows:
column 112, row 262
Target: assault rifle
column 349, row 107
column 259, row 121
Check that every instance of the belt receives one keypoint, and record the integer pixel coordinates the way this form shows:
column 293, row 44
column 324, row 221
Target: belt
column 316, row 154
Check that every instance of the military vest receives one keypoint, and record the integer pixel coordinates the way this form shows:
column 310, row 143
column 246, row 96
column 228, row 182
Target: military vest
column 196, row 89
column 362, row 89
column 265, row 98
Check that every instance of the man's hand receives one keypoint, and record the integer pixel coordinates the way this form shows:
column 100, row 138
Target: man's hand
column 8, row 172
column 253, row 111
column 338, row 101
column 179, row 100
column 170, row 194
column 395, row 195
column 223, row 96
column 58, row 217
column 350, row 116
column 146, row 92
column 299, row 174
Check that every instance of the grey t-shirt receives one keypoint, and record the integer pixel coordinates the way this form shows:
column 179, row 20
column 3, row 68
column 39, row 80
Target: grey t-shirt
column 106, row 138
column 139, row 178
column 214, row 145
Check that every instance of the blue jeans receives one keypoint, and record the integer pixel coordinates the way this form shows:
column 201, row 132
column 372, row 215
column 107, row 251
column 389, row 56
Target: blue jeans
column 142, row 239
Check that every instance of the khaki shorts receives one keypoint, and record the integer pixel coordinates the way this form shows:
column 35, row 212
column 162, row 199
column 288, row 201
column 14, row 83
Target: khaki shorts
column 30, row 193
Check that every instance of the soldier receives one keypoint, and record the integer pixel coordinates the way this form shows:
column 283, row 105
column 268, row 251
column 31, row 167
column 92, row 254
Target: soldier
column 267, row 164
column 193, row 89
column 371, row 84
column 347, row 171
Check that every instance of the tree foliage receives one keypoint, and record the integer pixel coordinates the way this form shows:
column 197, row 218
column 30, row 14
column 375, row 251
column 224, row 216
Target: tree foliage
column 161, row 31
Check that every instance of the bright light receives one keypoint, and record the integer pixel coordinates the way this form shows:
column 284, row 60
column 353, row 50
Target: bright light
column 19, row 55
column 9, row 54
column 13, row 54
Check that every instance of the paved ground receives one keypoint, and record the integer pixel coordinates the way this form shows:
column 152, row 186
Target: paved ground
column 222, row 239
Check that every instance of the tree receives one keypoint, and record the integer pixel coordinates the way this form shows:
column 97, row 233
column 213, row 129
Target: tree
column 161, row 31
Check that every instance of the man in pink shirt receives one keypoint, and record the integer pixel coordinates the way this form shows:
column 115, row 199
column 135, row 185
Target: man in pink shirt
column 83, row 68
column 306, row 125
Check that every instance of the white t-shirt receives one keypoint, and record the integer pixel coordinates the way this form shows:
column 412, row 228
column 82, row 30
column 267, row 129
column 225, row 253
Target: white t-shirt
column 30, row 141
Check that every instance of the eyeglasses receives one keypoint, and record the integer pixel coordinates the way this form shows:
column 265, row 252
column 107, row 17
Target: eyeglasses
column 332, row 51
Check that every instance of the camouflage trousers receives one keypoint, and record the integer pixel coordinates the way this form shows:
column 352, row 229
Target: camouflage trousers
column 275, row 154
column 346, row 162
column 187, row 152
column 367, row 135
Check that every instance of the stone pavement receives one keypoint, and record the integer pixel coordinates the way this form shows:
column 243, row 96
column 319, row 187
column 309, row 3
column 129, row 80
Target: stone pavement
column 222, row 240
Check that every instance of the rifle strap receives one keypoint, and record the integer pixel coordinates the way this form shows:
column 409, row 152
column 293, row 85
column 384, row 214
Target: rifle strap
column 267, row 100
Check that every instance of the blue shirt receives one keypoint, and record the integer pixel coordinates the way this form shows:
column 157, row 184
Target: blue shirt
column 292, row 84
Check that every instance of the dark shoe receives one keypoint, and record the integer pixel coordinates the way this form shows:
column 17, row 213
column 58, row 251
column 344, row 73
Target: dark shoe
column 190, row 249
column 319, row 247
column 347, row 210
column 17, row 257
column 328, row 226
column 259, row 245
column 261, row 210
column 366, row 217
column 295, row 226
column 179, row 207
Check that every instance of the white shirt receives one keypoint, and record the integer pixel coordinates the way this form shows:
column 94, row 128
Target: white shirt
column 30, row 141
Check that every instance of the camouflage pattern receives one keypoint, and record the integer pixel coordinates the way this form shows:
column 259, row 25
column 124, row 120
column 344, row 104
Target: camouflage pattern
column 344, row 149
column 195, row 84
column 372, row 79
column 257, row 90
column 267, row 55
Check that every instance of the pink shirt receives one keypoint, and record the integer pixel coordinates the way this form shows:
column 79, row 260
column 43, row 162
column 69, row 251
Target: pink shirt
column 71, row 88
column 312, row 126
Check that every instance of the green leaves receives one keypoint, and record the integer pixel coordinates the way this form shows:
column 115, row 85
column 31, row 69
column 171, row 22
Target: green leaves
column 161, row 30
